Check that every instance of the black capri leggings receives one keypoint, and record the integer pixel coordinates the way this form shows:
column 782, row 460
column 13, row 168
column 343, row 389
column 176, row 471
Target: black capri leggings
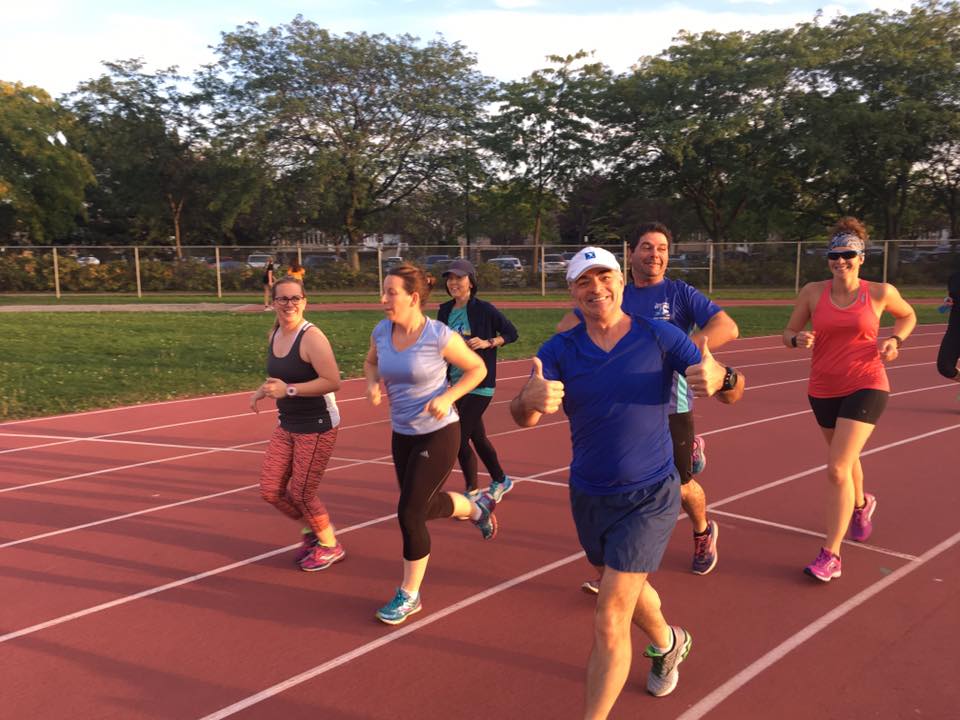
column 470, row 408
column 950, row 346
column 423, row 463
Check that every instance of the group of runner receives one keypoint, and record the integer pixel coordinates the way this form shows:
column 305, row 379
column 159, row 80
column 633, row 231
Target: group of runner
column 624, row 366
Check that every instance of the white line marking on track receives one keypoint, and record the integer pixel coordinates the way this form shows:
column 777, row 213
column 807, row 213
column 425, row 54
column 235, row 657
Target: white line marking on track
column 386, row 639
column 775, row 655
column 811, row 533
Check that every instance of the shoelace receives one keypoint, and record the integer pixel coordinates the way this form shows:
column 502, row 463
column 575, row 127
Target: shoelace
column 701, row 544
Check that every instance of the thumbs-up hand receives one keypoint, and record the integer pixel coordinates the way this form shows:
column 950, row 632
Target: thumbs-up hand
column 539, row 394
column 706, row 377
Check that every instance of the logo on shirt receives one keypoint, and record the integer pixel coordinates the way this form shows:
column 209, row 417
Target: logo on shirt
column 424, row 453
column 661, row 310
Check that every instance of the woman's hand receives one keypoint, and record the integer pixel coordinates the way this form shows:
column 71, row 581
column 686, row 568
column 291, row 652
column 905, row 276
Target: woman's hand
column 805, row 339
column 476, row 343
column 274, row 387
column 889, row 350
column 373, row 393
column 439, row 406
column 257, row 396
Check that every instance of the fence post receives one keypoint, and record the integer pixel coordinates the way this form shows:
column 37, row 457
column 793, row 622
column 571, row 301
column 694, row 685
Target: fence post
column 136, row 264
column 216, row 257
column 543, row 274
column 886, row 255
column 56, row 273
column 627, row 270
column 796, row 282
column 710, row 270
column 379, row 268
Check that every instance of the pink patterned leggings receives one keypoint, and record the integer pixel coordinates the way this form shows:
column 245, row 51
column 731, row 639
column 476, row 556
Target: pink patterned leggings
column 292, row 470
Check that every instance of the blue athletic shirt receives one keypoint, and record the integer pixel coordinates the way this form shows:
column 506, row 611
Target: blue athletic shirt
column 413, row 377
column 618, row 403
column 460, row 323
column 679, row 304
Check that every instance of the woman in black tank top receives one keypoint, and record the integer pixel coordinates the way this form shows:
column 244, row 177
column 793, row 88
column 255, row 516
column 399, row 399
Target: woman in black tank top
column 302, row 378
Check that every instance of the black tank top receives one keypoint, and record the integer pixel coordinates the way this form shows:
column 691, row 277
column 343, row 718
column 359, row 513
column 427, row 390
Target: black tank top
column 300, row 414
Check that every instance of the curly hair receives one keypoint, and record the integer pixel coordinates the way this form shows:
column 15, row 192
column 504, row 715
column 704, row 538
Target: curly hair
column 849, row 226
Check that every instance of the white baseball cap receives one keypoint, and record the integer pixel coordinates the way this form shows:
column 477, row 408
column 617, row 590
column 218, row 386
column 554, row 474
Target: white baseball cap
column 591, row 257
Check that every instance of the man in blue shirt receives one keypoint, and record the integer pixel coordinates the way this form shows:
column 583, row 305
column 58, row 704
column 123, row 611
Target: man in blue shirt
column 613, row 373
column 657, row 297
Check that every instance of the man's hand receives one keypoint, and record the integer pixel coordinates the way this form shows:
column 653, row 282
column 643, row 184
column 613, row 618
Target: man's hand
column 706, row 377
column 541, row 395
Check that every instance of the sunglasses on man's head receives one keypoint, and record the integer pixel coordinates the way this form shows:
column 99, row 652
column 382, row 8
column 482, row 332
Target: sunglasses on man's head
column 845, row 254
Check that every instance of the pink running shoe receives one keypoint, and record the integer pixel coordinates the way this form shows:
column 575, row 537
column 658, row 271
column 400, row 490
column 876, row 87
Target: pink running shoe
column 321, row 557
column 825, row 568
column 860, row 525
column 309, row 540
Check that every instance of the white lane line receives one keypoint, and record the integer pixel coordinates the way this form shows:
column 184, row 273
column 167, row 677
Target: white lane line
column 240, row 563
column 717, row 696
column 811, row 533
column 108, row 441
column 171, row 585
column 387, row 639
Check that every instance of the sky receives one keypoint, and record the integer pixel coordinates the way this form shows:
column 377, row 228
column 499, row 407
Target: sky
column 56, row 44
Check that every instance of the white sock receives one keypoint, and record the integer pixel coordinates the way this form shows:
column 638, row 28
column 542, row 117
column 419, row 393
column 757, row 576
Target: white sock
column 673, row 641
column 475, row 512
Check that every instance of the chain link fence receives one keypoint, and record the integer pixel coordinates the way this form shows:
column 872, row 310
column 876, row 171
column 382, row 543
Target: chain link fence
column 221, row 270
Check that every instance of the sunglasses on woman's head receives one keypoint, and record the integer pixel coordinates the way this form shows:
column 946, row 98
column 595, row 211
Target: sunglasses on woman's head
column 845, row 254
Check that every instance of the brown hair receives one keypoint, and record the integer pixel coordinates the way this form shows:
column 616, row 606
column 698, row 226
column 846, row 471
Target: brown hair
column 285, row 280
column 414, row 280
column 849, row 226
column 650, row 227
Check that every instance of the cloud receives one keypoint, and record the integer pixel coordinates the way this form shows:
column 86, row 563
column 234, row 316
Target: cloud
column 515, row 4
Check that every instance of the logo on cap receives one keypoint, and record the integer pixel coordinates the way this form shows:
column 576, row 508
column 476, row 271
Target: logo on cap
column 589, row 255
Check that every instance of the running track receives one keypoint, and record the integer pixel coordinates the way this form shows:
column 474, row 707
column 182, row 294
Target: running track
column 142, row 576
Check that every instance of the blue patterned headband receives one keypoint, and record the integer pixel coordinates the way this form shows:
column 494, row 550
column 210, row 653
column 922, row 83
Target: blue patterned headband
column 849, row 240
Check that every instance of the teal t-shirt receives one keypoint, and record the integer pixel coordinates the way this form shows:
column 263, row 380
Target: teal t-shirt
column 459, row 323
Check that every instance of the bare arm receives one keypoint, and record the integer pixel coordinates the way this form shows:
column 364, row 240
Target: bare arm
column 459, row 355
column 537, row 398
column 719, row 330
column 314, row 349
column 794, row 335
column 371, row 372
column 569, row 320
column 904, row 321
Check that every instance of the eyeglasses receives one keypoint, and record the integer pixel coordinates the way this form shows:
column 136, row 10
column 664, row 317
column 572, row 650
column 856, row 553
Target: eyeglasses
column 284, row 300
column 846, row 255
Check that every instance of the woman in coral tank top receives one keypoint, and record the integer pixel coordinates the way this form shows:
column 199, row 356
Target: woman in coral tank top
column 848, row 386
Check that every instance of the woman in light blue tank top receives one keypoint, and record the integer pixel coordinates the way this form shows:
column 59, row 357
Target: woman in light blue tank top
column 409, row 352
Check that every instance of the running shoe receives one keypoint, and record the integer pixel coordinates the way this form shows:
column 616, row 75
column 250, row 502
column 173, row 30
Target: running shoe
column 591, row 587
column 825, row 568
column 699, row 454
column 400, row 608
column 308, row 541
column 705, row 549
column 663, row 676
column 499, row 488
column 321, row 557
column 487, row 521
column 473, row 496
column 860, row 525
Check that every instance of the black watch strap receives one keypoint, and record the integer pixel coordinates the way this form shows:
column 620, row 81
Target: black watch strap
column 729, row 380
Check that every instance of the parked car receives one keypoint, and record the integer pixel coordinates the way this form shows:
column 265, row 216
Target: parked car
column 88, row 260
column 506, row 263
column 435, row 263
column 511, row 271
column 226, row 264
column 259, row 260
column 554, row 264
column 568, row 256
column 315, row 261
column 391, row 262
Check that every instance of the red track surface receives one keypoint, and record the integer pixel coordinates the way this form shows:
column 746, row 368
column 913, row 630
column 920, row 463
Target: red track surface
column 142, row 576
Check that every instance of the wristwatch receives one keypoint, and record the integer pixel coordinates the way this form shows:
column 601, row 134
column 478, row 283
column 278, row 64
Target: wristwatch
column 291, row 390
column 729, row 380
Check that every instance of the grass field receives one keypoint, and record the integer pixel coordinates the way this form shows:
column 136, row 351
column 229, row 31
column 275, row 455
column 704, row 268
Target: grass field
column 66, row 362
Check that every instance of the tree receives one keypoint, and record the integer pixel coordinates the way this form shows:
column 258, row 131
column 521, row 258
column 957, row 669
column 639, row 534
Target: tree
column 377, row 116
column 876, row 95
column 702, row 121
column 544, row 131
column 42, row 175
